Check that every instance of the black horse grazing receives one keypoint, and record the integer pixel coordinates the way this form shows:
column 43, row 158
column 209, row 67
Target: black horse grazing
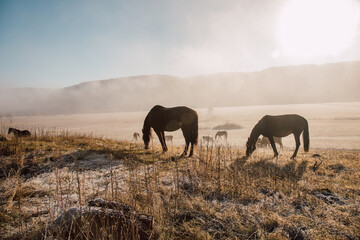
column 171, row 119
column 19, row 133
column 220, row 134
column 279, row 126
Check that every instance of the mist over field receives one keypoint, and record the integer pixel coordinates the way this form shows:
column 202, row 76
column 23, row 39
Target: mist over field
column 335, row 82
column 83, row 156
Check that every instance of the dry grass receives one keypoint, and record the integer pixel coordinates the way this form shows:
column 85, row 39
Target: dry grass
column 217, row 194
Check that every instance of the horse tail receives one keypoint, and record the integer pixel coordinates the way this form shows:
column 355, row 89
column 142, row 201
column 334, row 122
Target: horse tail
column 306, row 137
column 194, row 130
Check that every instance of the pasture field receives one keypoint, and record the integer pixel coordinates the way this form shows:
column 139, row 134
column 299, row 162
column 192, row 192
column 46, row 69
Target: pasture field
column 332, row 125
column 216, row 194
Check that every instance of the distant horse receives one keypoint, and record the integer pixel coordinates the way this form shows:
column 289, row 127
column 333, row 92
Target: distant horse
column 265, row 142
column 169, row 138
column 208, row 139
column 19, row 133
column 220, row 134
column 136, row 136
column 279, row 126
column 171, row 119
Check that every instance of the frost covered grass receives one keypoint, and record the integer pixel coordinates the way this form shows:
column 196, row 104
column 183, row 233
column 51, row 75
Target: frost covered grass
column 217, row 194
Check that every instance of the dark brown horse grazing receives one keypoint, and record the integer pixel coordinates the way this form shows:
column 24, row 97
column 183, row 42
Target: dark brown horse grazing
column 19, row 133
column 279, row 126
column 171, row 119
column 220, row 134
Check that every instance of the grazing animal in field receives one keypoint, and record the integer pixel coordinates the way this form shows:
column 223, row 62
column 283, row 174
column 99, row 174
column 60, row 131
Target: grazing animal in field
column 171, row 119
column 207, row 139
column 169, row 138
column 220, row 134
column 3, row 139
column 136, row 136
column 279, row 126
column 265, row 142
column 19, row 133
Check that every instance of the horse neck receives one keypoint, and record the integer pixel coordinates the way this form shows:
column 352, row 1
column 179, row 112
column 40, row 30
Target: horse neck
column 147, row 126
column 255, row 133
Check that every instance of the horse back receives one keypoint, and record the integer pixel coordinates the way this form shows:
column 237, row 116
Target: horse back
column 19, row 133
column 282, row 125
column 25, row 133
column 181, row 115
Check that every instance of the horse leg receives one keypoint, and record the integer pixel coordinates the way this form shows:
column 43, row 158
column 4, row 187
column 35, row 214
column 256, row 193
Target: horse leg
column 297, row 141
column 187, row 142
column 185, row 149
column 272, row 142
column 161, row 139
column 165, row 148
column 191, row 149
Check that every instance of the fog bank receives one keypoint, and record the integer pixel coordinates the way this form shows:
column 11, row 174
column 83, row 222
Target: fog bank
column 335, row 82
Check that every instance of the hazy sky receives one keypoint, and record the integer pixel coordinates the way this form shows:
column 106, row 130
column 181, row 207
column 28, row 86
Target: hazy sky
column 51, row 44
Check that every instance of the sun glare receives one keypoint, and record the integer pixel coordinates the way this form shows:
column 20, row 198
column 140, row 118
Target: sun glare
column 317, row 27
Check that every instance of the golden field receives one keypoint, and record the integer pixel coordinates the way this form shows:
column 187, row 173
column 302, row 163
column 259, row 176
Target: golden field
column 216, row 194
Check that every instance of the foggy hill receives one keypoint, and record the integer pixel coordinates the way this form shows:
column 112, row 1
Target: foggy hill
column 333, row 82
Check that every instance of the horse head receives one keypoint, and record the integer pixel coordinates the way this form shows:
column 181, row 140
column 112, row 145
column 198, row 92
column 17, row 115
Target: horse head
column 146, row 137
column 250, row 146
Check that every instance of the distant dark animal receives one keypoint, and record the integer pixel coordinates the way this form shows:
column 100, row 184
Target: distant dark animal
column 19, row 133
column 207, row 139
column 171, row 119
column 220, row 134
column 136, row 136
column 265, row 142
column 169, row 138
column 279, row 126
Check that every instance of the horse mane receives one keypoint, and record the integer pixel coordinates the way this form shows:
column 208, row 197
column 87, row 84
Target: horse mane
column 13, row 130
column 255, row 132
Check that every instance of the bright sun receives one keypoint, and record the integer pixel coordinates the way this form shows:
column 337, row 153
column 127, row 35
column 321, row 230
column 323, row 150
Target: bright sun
column 317, row 27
